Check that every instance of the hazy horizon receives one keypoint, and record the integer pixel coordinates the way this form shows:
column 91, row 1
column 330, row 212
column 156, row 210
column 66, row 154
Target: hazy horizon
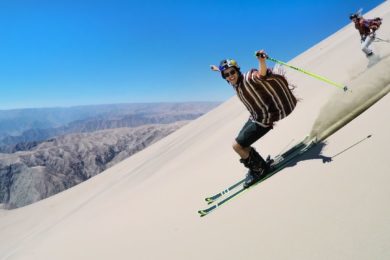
column 106, row 104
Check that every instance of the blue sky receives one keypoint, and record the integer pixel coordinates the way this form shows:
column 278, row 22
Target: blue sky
column 65, row 53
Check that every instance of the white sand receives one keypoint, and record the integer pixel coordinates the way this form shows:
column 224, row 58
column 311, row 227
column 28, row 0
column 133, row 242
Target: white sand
column 146, row 206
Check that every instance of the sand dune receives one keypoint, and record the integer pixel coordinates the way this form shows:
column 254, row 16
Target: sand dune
column 146, row 206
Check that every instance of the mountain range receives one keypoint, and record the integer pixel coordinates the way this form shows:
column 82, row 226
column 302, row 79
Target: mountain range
column 44, row 160
column 23, row 129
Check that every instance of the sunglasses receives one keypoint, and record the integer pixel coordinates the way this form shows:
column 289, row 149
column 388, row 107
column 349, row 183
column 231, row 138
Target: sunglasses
column 231, row 73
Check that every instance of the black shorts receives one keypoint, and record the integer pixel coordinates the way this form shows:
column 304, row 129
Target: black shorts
column 250, row 133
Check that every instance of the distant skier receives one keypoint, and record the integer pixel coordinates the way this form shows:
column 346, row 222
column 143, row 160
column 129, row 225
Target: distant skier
column 367, row 29
column 268, row 98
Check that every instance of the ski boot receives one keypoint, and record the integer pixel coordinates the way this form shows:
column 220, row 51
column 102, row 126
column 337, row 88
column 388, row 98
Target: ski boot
column 257, row 168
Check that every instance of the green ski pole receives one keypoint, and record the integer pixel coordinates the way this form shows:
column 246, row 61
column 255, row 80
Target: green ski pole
column 381, row 40
column 345, row 88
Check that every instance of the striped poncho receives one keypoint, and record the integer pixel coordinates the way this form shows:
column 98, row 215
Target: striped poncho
column 268, row 98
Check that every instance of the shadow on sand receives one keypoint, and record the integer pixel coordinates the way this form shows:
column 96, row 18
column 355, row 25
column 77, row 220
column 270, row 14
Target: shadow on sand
column 315, row 153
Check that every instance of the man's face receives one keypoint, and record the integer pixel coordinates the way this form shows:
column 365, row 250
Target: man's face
column 231, row 75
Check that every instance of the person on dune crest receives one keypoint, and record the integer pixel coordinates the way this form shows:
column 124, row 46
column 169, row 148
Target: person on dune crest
column 367, row 29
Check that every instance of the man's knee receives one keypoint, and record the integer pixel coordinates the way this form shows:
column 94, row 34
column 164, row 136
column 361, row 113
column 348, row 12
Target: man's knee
column 237, row 147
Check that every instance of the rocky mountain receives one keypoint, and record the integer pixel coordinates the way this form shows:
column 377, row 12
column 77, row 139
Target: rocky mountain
column 57, row 164
column 16, row 121
column 89, row 119
column 30, row 138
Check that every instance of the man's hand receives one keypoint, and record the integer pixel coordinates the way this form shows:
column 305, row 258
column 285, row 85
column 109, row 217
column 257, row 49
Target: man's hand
column 261, row 55
column 214, row 68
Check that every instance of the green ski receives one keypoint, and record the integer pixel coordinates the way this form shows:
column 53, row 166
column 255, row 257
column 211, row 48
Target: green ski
column 278, row 158
column 280, row 163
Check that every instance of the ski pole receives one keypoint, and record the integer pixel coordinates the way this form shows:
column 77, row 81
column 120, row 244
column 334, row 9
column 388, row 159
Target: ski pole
column 345, row 88
column 381, row 40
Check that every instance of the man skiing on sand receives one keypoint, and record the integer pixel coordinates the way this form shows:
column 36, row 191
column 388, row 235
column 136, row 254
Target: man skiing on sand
column 367, row 29
column 268, row 98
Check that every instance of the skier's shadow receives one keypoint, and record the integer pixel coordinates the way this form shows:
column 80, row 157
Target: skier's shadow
column 314, row 153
